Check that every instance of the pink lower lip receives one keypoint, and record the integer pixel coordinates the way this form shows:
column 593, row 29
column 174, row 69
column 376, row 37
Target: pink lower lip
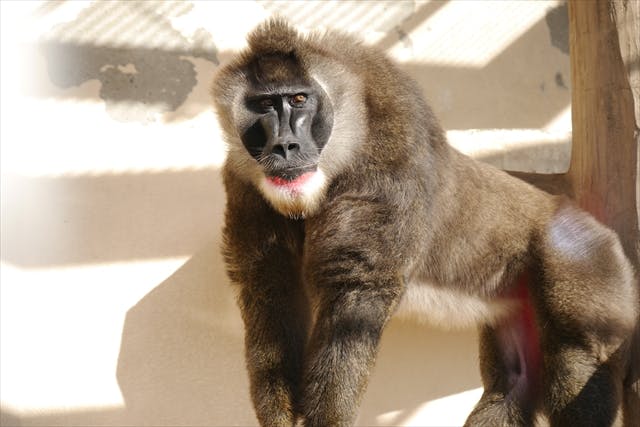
column 292, row 184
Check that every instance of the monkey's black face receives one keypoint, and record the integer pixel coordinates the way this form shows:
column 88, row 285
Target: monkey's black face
column 287, row 129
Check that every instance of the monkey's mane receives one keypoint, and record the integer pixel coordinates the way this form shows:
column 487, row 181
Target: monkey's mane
column 273, row 37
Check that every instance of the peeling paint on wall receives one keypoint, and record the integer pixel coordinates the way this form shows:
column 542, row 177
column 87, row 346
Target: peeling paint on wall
column 558, row 22
column 560, row 80
column 140, row 59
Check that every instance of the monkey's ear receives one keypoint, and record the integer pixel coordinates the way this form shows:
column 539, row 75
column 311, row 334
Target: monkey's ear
column 274, row 36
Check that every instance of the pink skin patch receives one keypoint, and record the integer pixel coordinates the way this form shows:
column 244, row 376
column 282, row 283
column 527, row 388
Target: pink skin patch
column 293, row 184
column 519, row 343
column 530, row 338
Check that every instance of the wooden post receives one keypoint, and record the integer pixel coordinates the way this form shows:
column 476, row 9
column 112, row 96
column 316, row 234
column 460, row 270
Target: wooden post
column 604, row 40
column 603, row 177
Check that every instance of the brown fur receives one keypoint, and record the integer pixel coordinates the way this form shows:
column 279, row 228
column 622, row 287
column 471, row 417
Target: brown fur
column 318, row 284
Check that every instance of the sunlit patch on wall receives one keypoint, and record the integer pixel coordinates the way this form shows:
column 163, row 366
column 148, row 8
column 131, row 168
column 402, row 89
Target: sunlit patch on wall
column 471, row 34
column 525, row 150
column 356, row 17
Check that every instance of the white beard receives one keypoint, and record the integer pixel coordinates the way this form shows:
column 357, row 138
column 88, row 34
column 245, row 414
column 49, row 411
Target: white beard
column 295, row 200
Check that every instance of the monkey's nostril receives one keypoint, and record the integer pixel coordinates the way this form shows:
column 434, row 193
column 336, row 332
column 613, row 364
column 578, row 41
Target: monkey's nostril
column 285, row 149
column 279, row 150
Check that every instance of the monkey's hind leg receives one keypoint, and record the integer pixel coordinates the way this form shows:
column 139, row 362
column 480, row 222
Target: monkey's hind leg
column 510, row 368
column 588, row 304
column 583, row 370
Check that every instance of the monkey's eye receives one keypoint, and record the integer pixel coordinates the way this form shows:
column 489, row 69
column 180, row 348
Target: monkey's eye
column 298, row 99
column 266, row 103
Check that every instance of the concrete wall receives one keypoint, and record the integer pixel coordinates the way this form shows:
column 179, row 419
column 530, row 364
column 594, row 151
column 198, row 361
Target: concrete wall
column 114, row 305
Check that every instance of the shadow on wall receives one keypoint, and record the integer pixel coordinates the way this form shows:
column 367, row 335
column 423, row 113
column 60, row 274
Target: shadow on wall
column 180, row 360
column 109, row 218
column 181, row 355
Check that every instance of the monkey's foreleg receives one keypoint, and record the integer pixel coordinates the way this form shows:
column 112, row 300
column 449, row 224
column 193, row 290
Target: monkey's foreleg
column 342, row 351
column 276, row 331
column 275, row 312
column 263, row 257
column 352, row 272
